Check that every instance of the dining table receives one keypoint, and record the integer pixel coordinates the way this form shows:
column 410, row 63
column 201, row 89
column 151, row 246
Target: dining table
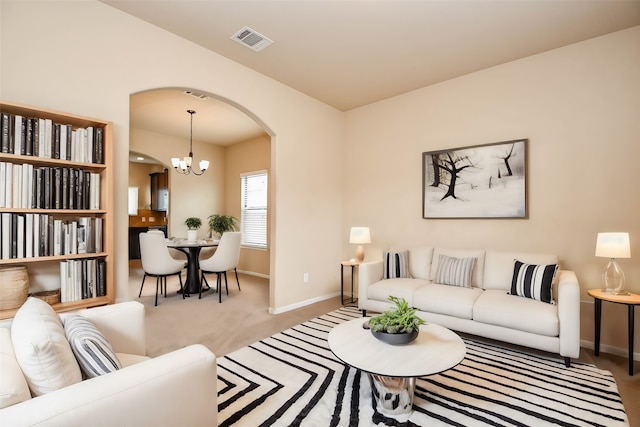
column 192, row 250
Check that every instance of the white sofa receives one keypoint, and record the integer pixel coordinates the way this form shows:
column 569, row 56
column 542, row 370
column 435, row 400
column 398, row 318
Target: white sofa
column 177, row 388
column 485, row 308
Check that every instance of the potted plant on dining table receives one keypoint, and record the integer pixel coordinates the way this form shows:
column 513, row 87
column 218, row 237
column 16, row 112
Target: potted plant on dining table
column 218, row 224
column 193, row 224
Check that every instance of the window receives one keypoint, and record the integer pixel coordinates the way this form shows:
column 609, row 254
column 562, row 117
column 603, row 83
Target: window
column 253, row 216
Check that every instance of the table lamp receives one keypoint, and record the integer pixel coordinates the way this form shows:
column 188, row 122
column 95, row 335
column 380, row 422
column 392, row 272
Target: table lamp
column 360, row 236
column 612, row 246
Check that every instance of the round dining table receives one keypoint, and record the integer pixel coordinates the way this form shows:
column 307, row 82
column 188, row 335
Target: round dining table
column 192, row 250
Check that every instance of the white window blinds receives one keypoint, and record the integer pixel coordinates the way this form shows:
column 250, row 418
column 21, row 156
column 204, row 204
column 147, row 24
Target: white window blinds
column 253, row 218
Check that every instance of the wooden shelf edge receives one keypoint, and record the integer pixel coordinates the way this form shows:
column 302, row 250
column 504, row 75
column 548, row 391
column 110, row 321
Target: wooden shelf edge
column 65, row 306
column 13, row 261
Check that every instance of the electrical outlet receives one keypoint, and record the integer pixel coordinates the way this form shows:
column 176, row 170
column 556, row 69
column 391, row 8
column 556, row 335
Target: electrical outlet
column 144, row 219
column 152, row 219
column 305, row 277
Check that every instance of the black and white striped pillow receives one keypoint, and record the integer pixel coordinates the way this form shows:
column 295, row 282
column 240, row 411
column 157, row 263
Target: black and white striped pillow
column 455, row 271
column 396, row 264
column 92, row 350
column 533, row 281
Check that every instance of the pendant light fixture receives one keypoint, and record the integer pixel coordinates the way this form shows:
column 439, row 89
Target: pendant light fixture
column 184, row 166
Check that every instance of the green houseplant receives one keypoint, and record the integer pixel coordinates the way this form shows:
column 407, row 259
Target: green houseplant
column 193, row 224
column 397, row 326
column 221, row 223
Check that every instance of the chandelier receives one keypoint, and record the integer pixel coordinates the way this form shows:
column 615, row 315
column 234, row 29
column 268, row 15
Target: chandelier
column 184, row 166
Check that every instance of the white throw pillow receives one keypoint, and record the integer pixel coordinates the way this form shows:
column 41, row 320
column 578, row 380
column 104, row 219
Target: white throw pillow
column 455, row 271
column 42, row 349
column 13, row 386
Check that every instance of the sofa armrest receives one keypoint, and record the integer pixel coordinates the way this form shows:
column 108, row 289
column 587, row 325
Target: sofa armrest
column 368, row 274
column 122, row 324
column 178, row 388
column 569, row 313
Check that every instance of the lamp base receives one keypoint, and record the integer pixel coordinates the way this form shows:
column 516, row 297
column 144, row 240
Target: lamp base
column 614, row 278
column 360, row 253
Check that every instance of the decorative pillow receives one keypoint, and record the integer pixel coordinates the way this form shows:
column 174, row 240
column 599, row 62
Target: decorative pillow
column 533, row 281
column 396, row 264
column 42, row 349
column 13, row 386
column 92, row 350
column 455, row 271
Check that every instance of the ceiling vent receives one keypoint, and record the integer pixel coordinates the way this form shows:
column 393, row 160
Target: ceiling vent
column 251, row 39
column 201, row 96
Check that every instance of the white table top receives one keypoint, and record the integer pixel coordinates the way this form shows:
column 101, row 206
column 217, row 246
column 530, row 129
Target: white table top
column 435, row 350
column 184, row 243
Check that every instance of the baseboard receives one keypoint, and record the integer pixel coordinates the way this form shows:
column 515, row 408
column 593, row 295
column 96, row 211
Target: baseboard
column 252, row 273
column 623, row 352
column 302, row 303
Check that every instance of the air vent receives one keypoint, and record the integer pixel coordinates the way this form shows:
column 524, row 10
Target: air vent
column 201, row 96
column 251, row 39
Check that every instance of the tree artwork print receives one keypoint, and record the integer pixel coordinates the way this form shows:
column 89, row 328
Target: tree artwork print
column 482, row 181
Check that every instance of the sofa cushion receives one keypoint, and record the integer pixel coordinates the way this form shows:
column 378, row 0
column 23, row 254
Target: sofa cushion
column 496, row 307
column 92, row 350
column 533, row 281
column 449, row 300
column 395, row 264
column 420, row 262
column 454, row 271
column 498, row 267
column 13, row 386
column 399, row 287
column 42, row 349
column 478, row 270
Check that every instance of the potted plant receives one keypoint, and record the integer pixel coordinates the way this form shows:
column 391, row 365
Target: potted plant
column 220, row 223
column 397, row 326
column 193, row 224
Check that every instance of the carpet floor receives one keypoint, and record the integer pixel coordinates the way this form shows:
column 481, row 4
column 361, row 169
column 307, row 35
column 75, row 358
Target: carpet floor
column 293, row 379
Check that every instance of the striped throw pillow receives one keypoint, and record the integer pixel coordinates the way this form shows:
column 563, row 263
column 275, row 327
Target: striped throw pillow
column 533, row 281
column 455, row 271
column 92, row 350
column 396, row 264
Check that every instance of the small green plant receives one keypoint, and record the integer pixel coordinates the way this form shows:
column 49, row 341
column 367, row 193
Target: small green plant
column 193, row 223
column 402, row 319
column 222, row 223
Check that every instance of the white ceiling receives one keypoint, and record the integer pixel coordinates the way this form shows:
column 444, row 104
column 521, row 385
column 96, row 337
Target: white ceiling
column 349, row 53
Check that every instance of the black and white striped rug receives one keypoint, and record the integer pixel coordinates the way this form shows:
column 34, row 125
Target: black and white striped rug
column 293, row 379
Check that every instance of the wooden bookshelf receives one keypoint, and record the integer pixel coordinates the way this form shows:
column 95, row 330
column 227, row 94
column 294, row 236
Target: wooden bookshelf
column 105, row 211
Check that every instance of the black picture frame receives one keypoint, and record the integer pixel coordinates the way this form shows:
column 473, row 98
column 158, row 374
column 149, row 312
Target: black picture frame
column 480, row 181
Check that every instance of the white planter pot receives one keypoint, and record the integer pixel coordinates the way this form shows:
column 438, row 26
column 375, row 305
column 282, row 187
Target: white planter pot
column 192, row 235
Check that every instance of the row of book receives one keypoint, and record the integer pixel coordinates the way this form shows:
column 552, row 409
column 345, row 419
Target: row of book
column 32, row 235
column 45, row 187
column 82, row 279
column 29, row 136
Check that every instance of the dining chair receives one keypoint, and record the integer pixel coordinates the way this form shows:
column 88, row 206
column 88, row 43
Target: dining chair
column 225, row 258
column 156, row 262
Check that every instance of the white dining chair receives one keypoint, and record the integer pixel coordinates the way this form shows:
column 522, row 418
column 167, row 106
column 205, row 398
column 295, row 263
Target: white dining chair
column 225, row 258
column 157, row 262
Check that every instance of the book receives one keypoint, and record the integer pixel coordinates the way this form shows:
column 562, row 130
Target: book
column 57, row 237
column 28, row 136
column 99, row 146
column 102, row 278
column 55, row 143
column 20, row 236
column 3, row 186
column 7, row 236
column 17, row 135
column 48, row 138
column 8, row 186
column 36, row 235
column 98, row 235
column 17, row 187
column 62, row 129
column 28, row 235
column 5, row 119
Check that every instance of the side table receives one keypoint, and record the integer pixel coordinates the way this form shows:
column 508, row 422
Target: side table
column 353, row 265
column 630, row 301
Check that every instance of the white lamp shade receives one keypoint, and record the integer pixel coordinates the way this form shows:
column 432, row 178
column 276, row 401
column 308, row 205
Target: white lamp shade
column 175, row 162
column 204, row 164
column 613, row 245
column 359, row 235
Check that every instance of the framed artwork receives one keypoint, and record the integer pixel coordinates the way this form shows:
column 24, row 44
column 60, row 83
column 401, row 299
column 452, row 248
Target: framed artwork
column 482, row 181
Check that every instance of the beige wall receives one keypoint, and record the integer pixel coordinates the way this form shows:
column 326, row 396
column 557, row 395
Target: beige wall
column 579, row 108
column 248, row 156
column 96, row 64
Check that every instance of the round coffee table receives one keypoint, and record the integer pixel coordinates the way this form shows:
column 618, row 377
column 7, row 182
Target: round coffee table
column 393, row 369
